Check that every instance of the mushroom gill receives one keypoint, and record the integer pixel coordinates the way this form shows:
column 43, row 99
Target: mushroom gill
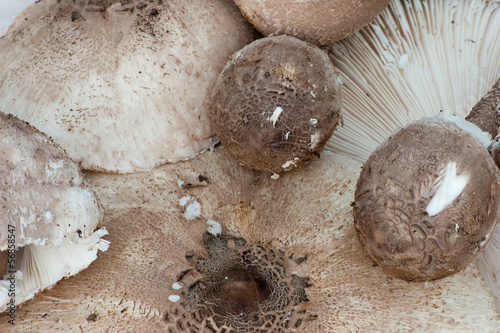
column 416, row 59
column 48, row 219
column 303, row 219
column 121, row 85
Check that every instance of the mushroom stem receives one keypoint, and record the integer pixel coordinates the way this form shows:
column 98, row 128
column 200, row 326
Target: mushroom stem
column 485, row 114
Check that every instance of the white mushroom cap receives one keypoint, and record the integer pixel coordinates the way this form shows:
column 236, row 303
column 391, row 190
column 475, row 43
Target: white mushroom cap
column 416, row 59
column 306, row 213
column 121, row 87
column 48, row 221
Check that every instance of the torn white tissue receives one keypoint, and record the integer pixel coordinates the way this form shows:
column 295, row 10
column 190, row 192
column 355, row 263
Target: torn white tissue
column 446, row 188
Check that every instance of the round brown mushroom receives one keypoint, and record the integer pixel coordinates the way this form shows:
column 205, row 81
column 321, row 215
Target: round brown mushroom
column 276, row 103
column 319, row 22
column 426, row 200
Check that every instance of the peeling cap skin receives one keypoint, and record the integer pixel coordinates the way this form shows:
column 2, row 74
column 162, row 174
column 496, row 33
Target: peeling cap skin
column 318, row 22
column 306, row 218
column 122, row 86
column 48, row 219
column 276, row 103
column 427, row 201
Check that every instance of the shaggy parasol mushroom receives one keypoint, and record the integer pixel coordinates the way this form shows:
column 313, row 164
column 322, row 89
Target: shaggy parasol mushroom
column 166, row 274
column 416, row 60
column 318, row 22
column 276, row 104
column 48, row 220
column 120, row 85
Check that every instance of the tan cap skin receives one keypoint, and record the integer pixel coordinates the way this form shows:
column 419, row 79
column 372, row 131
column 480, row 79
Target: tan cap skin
column 122, row 86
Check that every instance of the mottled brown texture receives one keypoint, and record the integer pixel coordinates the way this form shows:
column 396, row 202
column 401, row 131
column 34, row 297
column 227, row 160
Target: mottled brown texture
column 486, row 113
column 271, row 73
column 4, row 261
column 319, row 22
column 395, row 188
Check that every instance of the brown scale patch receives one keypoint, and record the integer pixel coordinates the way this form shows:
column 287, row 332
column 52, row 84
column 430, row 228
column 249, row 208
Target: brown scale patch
column 243, row 288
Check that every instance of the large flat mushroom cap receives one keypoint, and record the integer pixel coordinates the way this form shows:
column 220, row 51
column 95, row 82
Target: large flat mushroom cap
column 121, row 86
column 305, row 217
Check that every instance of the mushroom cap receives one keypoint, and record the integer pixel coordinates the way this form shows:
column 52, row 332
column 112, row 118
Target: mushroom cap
column 48, row 219
column 121, row 86
column 306, row 213
column 426, row 201
column 276, row 103
column 318, row 22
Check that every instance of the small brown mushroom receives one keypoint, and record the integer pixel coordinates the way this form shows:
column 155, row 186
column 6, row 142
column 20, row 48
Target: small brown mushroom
column 276, row 104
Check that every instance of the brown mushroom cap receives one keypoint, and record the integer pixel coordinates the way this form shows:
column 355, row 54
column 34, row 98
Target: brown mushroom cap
column 276, row 103
column 426, row 201
column 120, row 85
column 307, row 214
column 318, row 22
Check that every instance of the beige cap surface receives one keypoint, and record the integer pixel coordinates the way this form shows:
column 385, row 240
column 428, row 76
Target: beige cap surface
column 120, row 85
column 319, row 22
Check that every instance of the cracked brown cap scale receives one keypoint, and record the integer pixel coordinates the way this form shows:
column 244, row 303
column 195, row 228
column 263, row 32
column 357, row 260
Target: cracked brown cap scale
column 319, row 22
column 276, row 103
column 426, row 201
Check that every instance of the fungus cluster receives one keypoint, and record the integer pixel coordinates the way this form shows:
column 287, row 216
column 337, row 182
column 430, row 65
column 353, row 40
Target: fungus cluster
column 282, row 255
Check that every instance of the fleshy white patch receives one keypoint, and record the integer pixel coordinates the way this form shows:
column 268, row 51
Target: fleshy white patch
column 174, row 298
column 214, row 227
column 314, row 140
column 176, row 285
column 190, row 207
column 446, row 188
column 276, row 114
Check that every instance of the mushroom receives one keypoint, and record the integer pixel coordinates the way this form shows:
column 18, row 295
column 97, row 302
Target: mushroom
column 49, row 221
column 417, row 60
column 299, row 227
column 318, row 22
column 120, row 85
column 427, row 200
column 276, row 104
